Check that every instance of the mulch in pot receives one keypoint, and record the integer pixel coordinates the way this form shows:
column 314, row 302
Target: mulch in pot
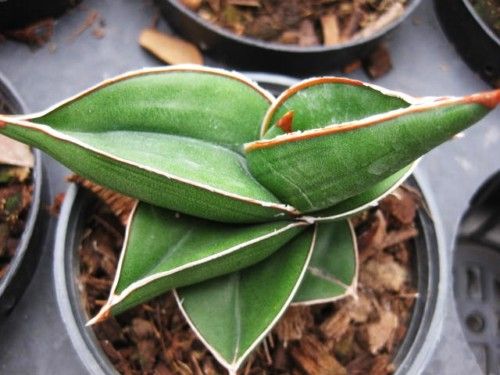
column 356, row 335
column 16, row 190
column 300, row 22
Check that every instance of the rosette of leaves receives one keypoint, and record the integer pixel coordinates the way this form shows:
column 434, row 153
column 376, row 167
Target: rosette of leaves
column 242, row 199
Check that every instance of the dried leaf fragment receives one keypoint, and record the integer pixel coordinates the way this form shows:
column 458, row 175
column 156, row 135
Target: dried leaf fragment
column 36, row 34
column 170, row 49
column 378, row 62
column 15, row 153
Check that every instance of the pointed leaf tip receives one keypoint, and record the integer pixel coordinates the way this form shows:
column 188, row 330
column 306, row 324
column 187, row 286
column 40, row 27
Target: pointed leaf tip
column 489, row 99
column 101, row 316
column 285, row 123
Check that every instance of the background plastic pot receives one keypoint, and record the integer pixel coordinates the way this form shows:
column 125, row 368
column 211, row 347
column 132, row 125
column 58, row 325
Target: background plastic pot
column 423, row 330
column 476, row 269
column 472, row 37
column 254, row 54
column 22, row 265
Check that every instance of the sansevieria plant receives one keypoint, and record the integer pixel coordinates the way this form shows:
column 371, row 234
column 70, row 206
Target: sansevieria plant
column 243, row 199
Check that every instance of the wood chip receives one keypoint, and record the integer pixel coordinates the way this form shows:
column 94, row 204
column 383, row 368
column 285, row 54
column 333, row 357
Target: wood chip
column 345, row 348
column 384, row 274
column 142, row 328
column 15, row 153
column 331, row 30
column 378, row 63
column 245, row 3
column 170, row 49
column 313, row 357
column 335, row 326
column 380, row 333
column 382, row 365
column 352, row 24
column 294, row 323
column 359, row 309
column 395, row 237
column 307, row 35
column 401, row 205
column 371, row 240
column 192, row 4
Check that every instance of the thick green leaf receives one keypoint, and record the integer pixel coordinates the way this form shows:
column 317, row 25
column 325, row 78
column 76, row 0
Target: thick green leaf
column 320, row 102
column 333, row 269
column 369, row 198
column 233, row 313
column 190, row 101
column 319, row 168
column 165, row 250
column 151, row 135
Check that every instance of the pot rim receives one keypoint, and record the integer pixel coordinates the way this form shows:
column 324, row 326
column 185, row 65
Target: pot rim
column 33, row 213
column 278, row 47
column 486, row 29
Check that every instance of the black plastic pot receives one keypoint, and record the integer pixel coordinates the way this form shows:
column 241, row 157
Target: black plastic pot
column 254, row 54
column 18, row 13
column 472, row 37
column 423, row 331
column 476, row 269
column 23, row 264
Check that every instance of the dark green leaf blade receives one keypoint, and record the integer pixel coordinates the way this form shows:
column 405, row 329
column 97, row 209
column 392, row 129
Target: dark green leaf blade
column 319, row 168
column 185, row 100
column 333, row 270
column 245, row 305
column 319, row 102
column 165, row 250
column 369, row 198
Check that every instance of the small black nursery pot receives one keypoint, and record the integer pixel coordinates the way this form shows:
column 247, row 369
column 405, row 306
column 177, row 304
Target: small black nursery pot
column 26, row 256
column 255, row 54
column 472, row 36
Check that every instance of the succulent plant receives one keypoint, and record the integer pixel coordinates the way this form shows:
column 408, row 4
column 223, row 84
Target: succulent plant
column 240, row 220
